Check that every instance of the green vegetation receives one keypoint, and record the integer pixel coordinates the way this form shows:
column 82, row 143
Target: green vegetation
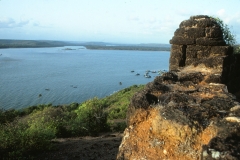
column 30, row 130
column 236, row 49
column 228, row 37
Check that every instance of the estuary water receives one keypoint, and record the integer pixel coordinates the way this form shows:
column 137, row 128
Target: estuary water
column 59, row 75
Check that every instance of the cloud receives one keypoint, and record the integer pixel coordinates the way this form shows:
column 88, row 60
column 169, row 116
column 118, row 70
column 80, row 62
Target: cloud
column 133, row 18
column 221, row 12
column 11, row 23
column 152, row 20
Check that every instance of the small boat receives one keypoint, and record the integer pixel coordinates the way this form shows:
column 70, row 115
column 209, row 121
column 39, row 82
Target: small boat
column 73, row 86
column 147, row 71
column 137, row 74
column 132, row 71
column 120, row 83
column 160, row 72
column 154, row 71
column 147, row 75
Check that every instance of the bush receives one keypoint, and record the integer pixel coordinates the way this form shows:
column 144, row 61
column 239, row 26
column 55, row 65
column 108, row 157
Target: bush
column 17, row 140
column 120, row 127
column 8, row 115
column 91, row 116
column 236, row 49
column 228, row 37
column 118, row 112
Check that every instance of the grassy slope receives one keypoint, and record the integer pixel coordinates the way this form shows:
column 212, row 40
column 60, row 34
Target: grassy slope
column 31, row 130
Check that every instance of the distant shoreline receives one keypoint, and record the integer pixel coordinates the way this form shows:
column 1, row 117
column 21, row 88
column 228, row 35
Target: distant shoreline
column 88, row 45
column 138, row 48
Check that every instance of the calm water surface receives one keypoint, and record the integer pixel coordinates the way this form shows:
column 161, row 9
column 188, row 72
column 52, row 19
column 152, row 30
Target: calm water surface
column 66, row 76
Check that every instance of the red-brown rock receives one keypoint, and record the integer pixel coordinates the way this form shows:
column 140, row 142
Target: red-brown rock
column 193, row 111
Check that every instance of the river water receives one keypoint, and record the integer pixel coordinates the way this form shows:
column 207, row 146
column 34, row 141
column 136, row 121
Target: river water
column 32, row 76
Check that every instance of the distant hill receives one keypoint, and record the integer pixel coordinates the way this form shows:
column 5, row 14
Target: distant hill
column 116, row 46
column 128, row 47
column 9, row 43
column 6, row 43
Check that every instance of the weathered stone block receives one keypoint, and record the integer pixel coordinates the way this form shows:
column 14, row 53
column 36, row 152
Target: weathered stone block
column 215, row 32
column 195, row 77
column 203, row 54
column 174, row 64
column 190, row 61
column 177, row 47
column 177, row 57
column 212, row 62
column 176, row 54
column 210, row 41
column 196, row 51
column 190, row 32
column 187, row 23
column 214, row 78
column 141, row 100
column 195, row 32
column 182, row 40
column 221, row 50
column 205, row 22
column 198, row 23
column 177, row 51
column 170, row 76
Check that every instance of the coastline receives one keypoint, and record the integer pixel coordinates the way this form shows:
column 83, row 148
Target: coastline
column 89, row 45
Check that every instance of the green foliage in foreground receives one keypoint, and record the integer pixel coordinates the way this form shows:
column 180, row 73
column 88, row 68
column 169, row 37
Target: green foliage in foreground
column 236, row 49
column 30, row 130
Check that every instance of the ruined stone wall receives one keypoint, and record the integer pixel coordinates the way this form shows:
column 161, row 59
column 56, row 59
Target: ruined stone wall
column 188, row 113
column 198, row 45
column 199, row 42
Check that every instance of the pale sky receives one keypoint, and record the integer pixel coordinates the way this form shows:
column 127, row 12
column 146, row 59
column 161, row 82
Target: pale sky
column 119, row 21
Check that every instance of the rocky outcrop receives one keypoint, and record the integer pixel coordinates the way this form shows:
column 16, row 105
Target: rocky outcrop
column 188, row 112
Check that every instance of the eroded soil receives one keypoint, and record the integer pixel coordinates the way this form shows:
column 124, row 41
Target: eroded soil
column 103, row 147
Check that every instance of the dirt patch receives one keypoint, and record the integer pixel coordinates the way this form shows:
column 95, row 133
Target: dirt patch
column 103, row 147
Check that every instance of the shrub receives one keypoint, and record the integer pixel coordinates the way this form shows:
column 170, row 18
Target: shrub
column 91, row 116
column 119, row 127
column 17, row 140
column 7, row 116
column 236, row 49
column 228, row 37
column 118, row 112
